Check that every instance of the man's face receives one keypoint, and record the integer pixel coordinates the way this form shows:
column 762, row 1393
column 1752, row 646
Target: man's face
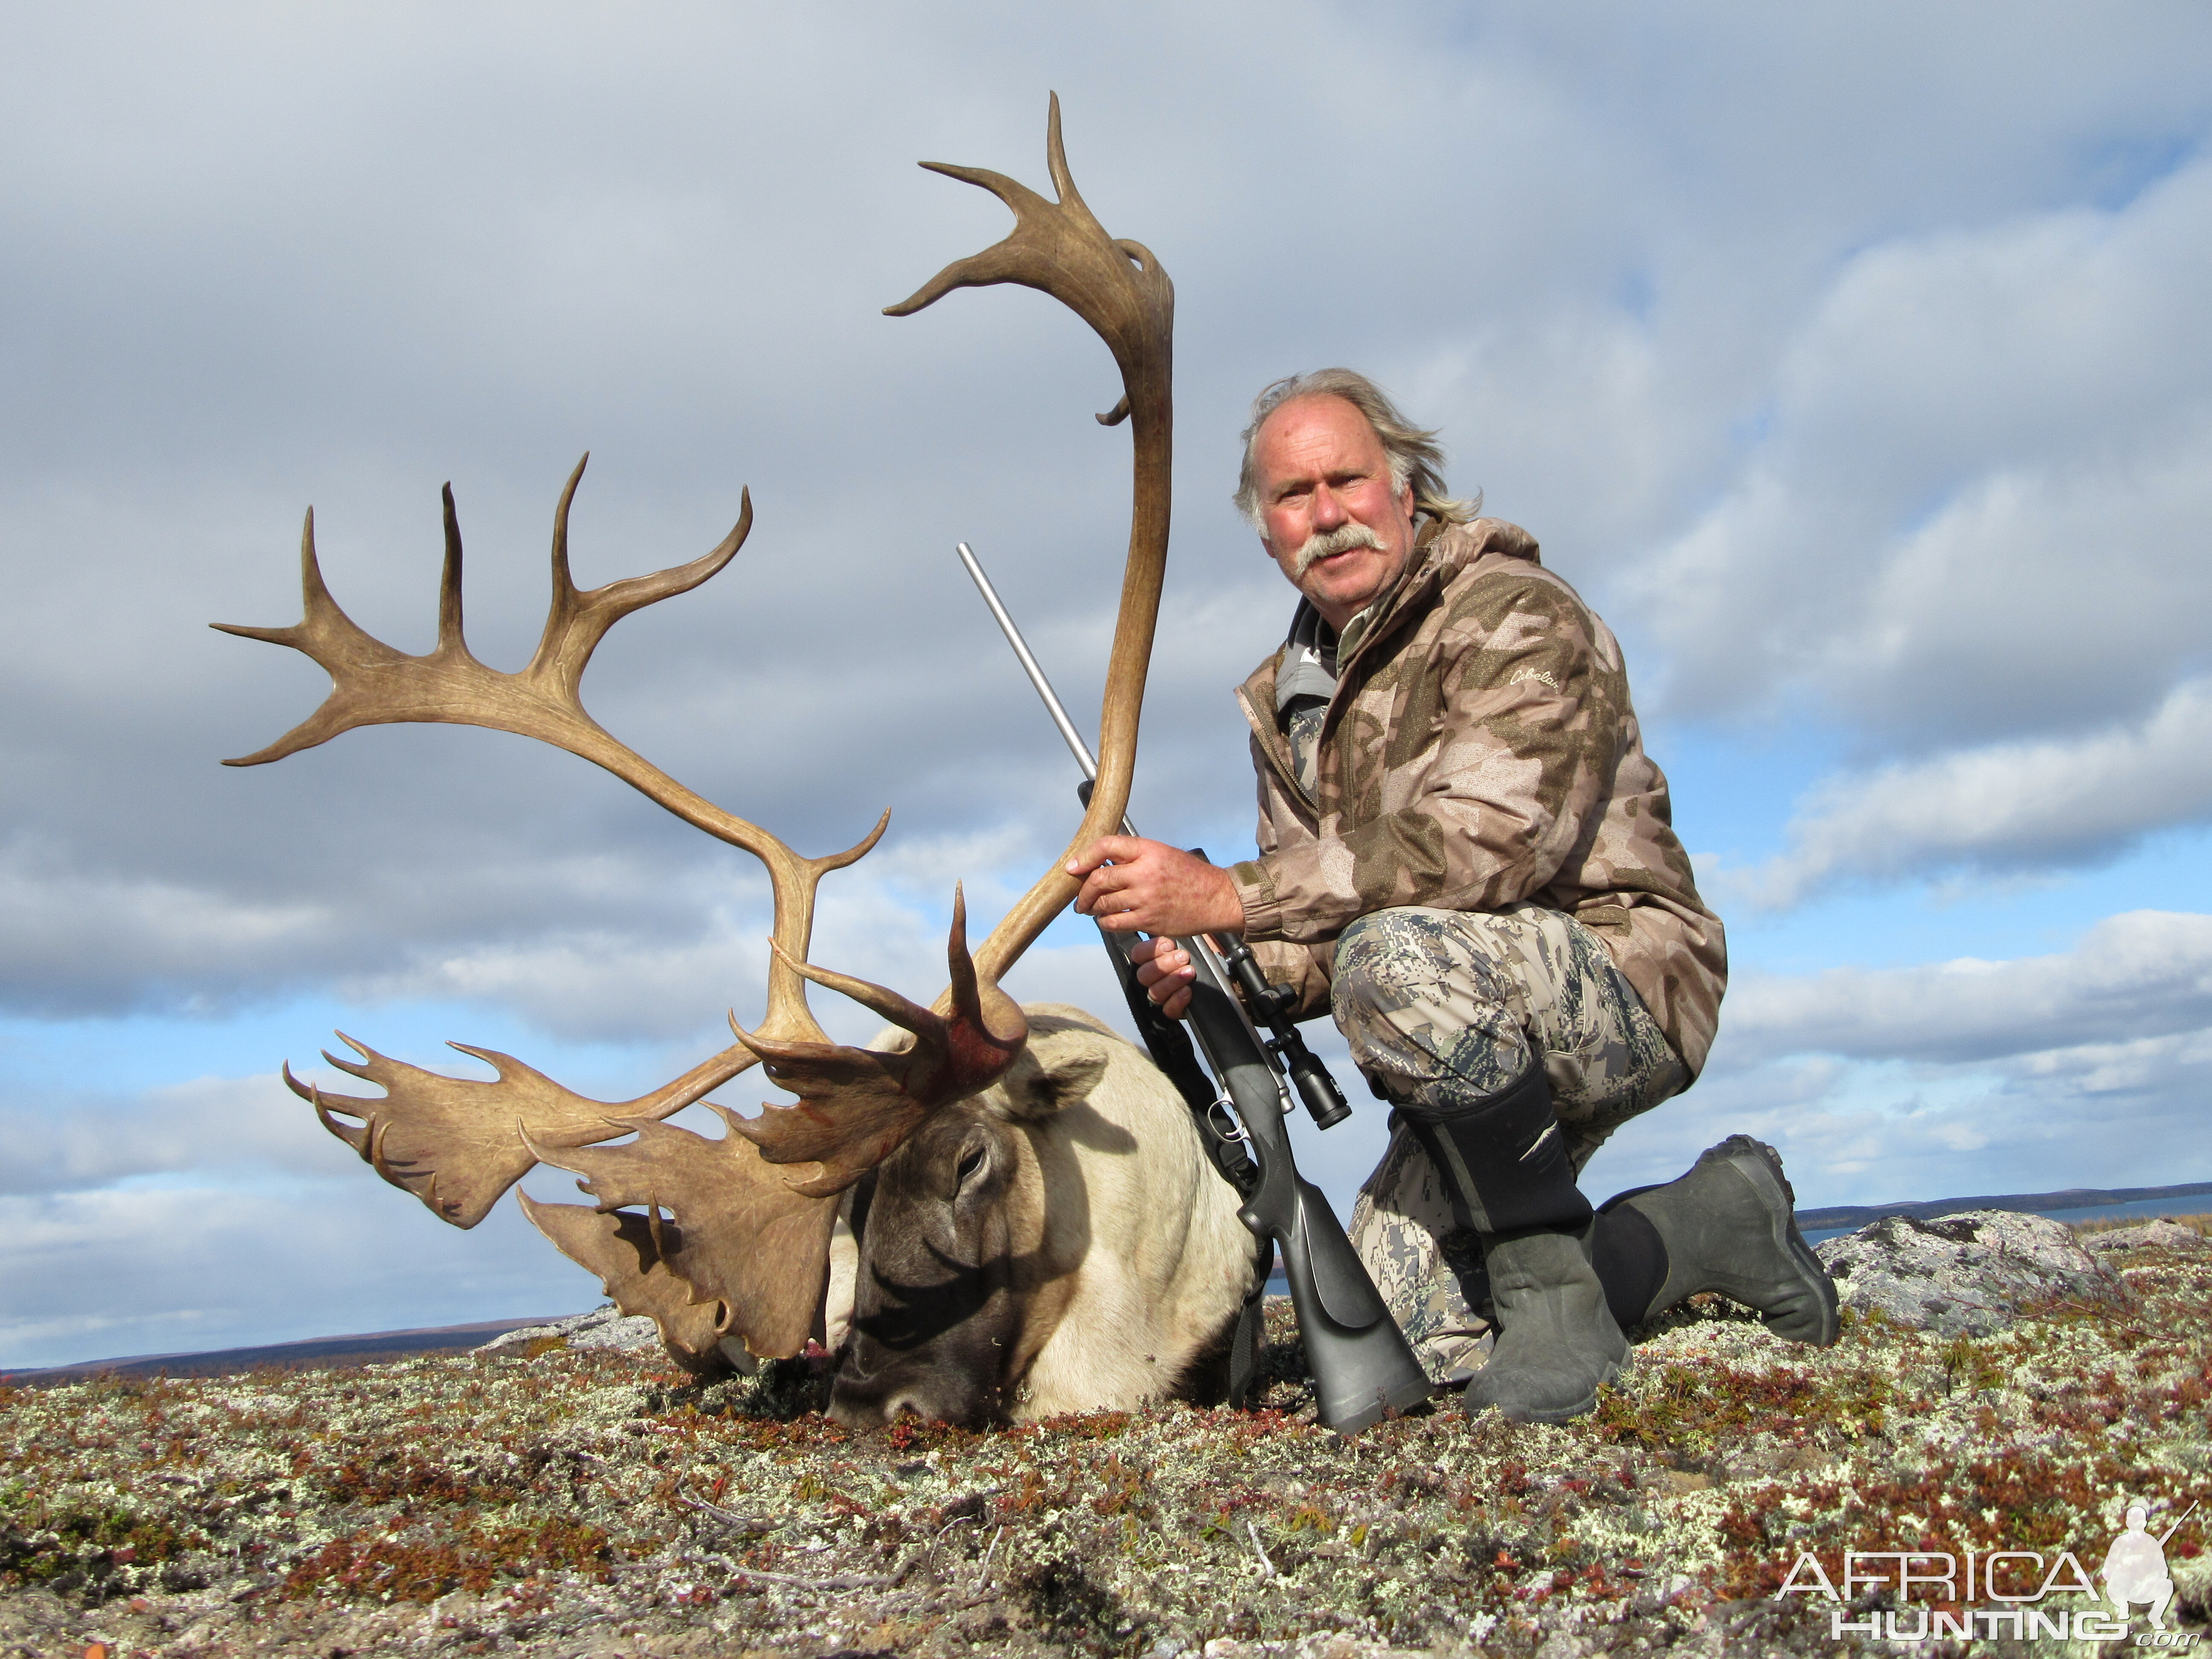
column 1325, row 481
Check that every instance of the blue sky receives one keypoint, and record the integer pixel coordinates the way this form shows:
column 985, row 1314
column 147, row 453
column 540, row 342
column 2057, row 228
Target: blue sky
column 1852, row 365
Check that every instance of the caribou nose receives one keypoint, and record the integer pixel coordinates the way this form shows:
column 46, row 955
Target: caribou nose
column 861, row 1400
column 864, row 1408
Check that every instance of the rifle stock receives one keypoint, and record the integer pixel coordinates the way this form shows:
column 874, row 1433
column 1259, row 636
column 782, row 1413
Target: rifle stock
column 1361, row 1367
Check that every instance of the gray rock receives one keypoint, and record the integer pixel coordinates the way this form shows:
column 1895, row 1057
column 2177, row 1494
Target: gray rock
column 1969, row 1274
column 602, row 1327
column 608, row 1328
column 2161, row 1235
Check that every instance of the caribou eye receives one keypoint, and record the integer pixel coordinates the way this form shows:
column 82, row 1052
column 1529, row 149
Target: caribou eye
column 970, row 1160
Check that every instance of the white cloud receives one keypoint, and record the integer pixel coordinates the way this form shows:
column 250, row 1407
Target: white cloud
column 2145, row 974
column 1978, row 499
column 2055, row 802
column 889, row 913
column 323, row 263
column 1858, row 1132
column 251, row 1128
column 2081, row 1068
column 115, row 1272
column 1965, row 536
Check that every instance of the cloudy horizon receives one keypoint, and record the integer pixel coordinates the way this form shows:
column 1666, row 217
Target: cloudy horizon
column 1849, row 366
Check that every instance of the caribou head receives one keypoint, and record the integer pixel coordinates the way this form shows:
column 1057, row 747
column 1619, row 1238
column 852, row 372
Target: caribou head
column 725, row 1241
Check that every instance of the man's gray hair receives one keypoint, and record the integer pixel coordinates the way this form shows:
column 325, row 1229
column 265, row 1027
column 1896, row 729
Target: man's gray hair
column 1415, row 457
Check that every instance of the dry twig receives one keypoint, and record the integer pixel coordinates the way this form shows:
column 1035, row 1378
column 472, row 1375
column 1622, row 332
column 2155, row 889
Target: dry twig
column 728, row 1517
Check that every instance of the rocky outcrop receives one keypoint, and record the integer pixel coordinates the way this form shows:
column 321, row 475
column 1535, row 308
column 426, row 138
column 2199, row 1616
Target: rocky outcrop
column 2160, row 1235
column 1969, row 1274
column 602, row 1327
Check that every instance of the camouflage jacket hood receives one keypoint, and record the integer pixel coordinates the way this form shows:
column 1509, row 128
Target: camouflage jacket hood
column 1480, row 750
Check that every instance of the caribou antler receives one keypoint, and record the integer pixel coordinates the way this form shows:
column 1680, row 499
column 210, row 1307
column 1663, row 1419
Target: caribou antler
column 625, row 1251
column 856, row 1104
column 751, row 1240
column 451, row 1141
column 748, row 1239
column 457, row 1144
column 371, row 683
column 1120, row 290
column 742, row 1237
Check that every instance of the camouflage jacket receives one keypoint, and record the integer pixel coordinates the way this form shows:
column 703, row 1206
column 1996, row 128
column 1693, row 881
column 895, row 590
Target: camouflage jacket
column 1479, row 750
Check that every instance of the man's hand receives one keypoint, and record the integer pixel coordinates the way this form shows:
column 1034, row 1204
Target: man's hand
column 1133, row 885
column 1137, row 886
column 1163, row 969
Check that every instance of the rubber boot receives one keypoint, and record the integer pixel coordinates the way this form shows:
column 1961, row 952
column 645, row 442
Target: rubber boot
column 1730, row 1225
column 1503, row 1158
column 1557, row 1340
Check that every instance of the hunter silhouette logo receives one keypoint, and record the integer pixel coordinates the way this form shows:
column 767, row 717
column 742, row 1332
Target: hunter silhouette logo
column 2002, row 1592
column 2135, row 1567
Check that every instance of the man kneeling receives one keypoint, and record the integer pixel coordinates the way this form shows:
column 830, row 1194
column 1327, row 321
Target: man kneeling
column 1467, row 857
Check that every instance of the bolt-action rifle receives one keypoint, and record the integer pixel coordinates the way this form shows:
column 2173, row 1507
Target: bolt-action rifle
column 1361, row 1364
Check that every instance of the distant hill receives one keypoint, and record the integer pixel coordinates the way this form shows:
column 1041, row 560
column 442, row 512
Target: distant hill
column 315, row 1351
column 1848, row 1216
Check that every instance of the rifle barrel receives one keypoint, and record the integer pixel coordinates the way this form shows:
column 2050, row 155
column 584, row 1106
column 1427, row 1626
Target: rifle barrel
column 1199, row 948
column 2176, row 1527
column 1030, row 667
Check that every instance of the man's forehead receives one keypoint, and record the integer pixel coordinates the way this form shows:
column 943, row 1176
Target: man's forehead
column 1316, row 415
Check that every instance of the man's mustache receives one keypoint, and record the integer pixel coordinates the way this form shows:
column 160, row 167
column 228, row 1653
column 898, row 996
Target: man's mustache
column 1321, row 544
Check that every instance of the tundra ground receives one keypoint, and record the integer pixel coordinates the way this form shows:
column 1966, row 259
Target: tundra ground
column 580, row 1503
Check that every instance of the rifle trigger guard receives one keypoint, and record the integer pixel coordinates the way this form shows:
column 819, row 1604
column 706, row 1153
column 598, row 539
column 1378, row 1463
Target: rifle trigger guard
column 1219, row 1112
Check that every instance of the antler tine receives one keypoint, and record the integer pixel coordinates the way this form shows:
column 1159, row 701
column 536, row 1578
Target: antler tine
column 857, row 1104
column 998, row 1016
column 1060, row 248
column 627, row 1258
column 451, row 1141
column 576, row 622
column 748, row 1240
column 335, row 640
column 1120, row 290
column 451, row 644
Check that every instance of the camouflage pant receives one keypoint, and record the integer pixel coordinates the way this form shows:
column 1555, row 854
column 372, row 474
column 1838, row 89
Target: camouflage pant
column 1444, row 1008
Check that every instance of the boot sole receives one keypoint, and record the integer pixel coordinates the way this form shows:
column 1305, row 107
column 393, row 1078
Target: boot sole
column 1582, row 1408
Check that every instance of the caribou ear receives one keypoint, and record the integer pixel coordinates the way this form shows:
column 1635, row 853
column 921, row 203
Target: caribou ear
column 1052, row 1072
